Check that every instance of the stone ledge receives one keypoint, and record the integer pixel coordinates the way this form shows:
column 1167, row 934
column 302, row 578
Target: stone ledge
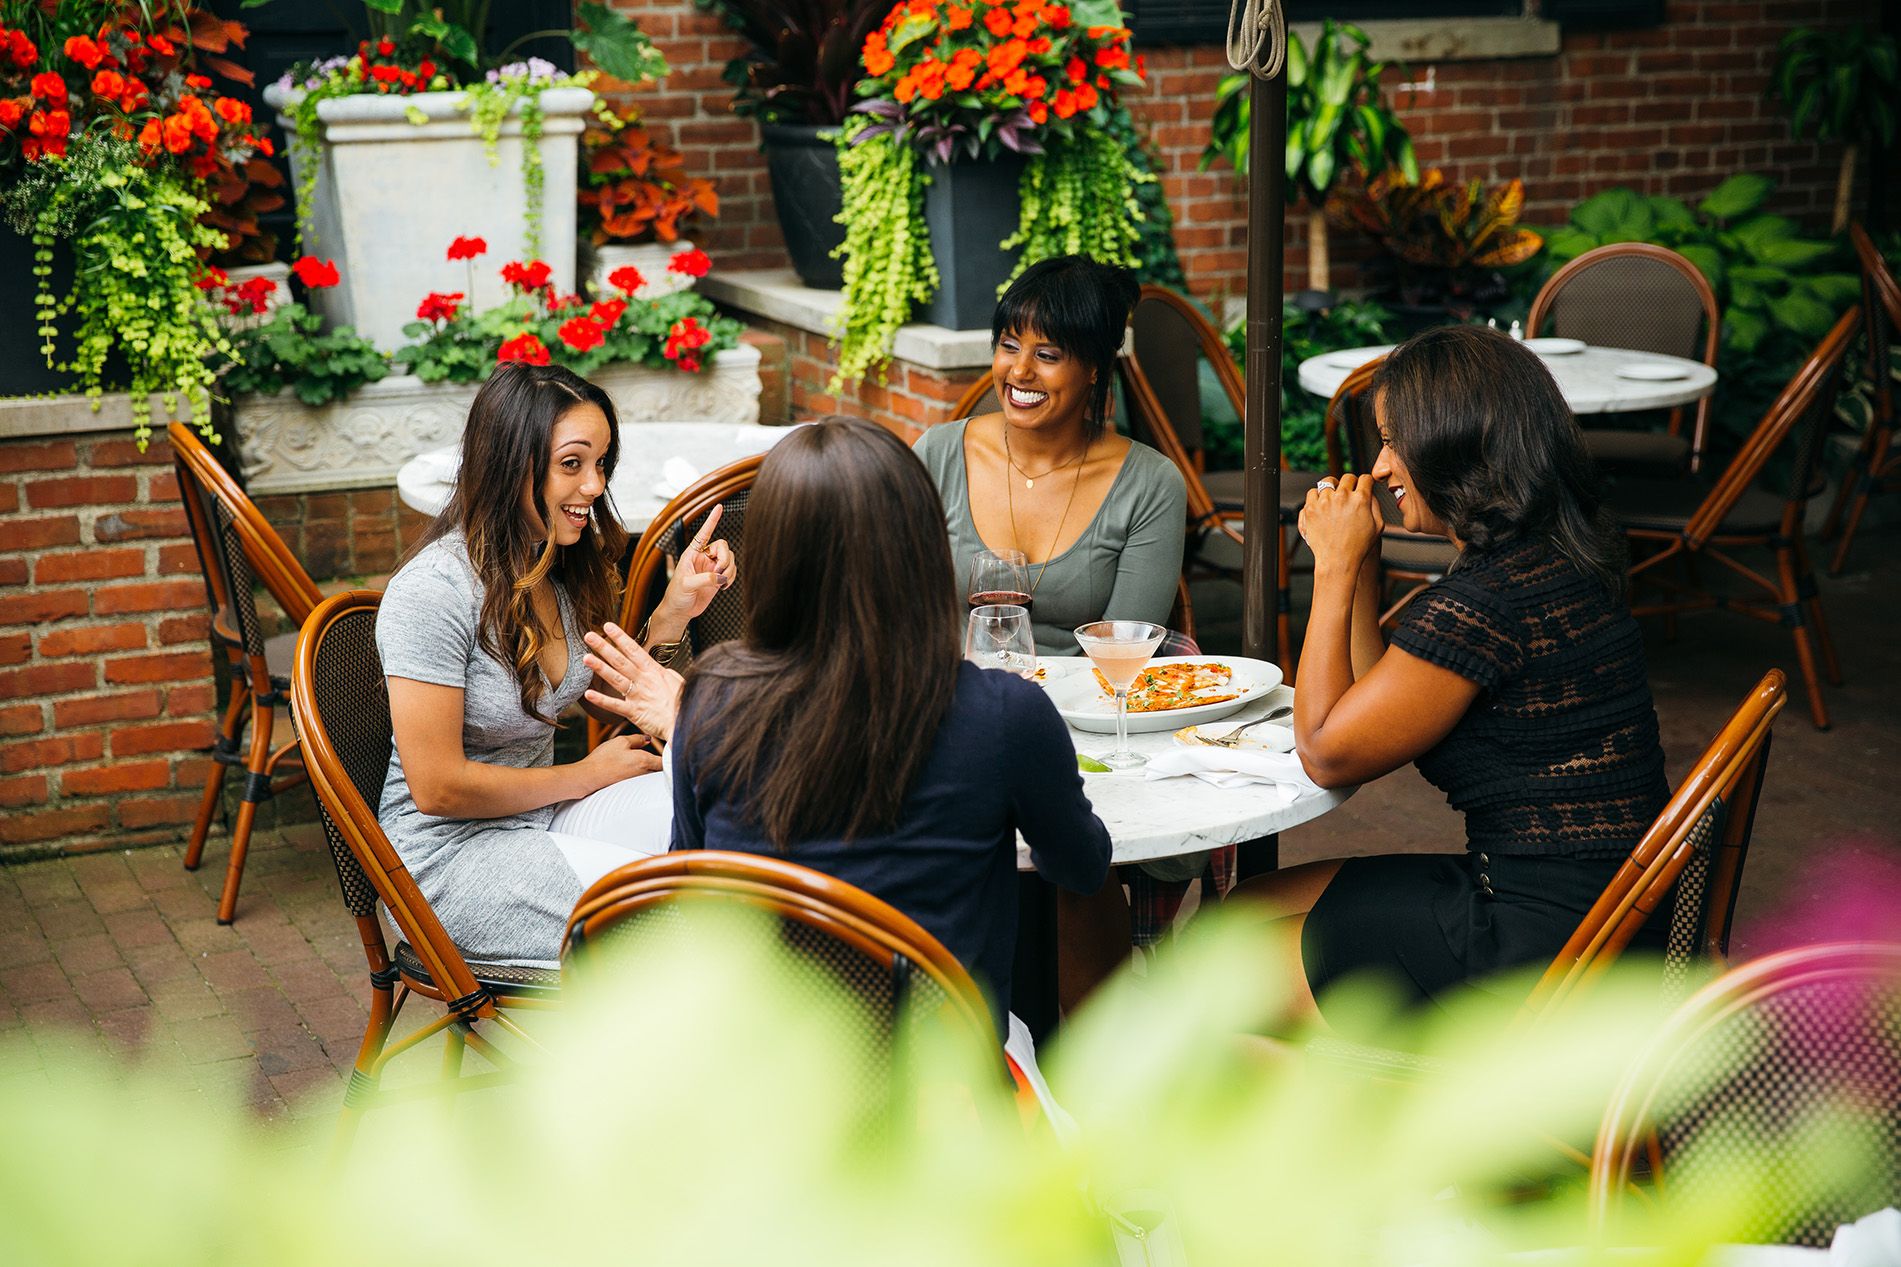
column 1450, row 40
column 23, row 417
column 777, row 295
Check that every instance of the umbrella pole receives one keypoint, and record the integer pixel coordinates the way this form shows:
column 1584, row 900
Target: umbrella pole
column 1261, row 582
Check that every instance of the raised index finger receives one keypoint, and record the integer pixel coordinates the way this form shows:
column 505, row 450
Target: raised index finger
column 705, row 534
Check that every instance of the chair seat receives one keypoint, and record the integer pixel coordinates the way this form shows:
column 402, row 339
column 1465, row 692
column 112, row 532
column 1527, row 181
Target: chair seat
column 1665, row 505
column 502, row 978
column 1651, row 451
column 1229, row 489
column 280, row 652
column 1408, row 552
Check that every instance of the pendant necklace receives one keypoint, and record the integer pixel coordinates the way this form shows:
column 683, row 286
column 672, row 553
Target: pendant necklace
column 1029, row 482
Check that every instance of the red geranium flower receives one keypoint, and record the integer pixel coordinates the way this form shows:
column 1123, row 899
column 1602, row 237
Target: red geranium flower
column 692, row 263
column 607, row 312
column 212, row 279
column 683, row 343
column 49, row 87
column 231, row 110
column 467, row 248
column 21, row 50
column 315, row 273
column 997, row 22
column 530, row 276
column 256, row 293
column 109, row 84
column 160, row 45
column 85, row 51
column 11, row 112
column 525, row 348
column 561, row 303
column 581, row 334
column 626, row 279
column 440, row 307
column 384, row 48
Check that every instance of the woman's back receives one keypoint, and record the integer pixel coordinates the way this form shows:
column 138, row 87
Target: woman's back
column 1001, row 763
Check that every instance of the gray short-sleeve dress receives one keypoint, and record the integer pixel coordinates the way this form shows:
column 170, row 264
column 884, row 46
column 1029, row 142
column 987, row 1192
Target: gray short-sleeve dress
column 501, row 886
column 1123, row 567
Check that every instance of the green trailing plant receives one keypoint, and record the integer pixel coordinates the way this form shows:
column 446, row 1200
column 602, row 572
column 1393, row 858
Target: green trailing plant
column 137, row 239
column 1846, row 83
column 1079, row 199
column 1338, row 121
column 1305, row 333
column 887, row 249
column 1774, row 289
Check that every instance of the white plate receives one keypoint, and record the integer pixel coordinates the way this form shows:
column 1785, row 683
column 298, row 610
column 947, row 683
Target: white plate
column 1079, row 698
column 1651, row 371
column 440, row 465
column 1555, row 347
column 1354, row 358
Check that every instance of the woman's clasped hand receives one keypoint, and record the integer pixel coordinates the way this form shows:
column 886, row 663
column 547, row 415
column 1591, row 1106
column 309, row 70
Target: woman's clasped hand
column 1341, row 521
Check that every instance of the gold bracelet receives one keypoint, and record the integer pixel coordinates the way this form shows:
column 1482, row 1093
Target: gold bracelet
column 663, row 653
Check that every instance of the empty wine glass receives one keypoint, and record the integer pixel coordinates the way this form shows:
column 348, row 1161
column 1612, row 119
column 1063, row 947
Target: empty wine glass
column 999, row 637
column 1119, row 649
column 999, row 578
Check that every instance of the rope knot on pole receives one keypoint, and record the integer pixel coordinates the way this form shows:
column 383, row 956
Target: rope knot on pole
column 1257, row 37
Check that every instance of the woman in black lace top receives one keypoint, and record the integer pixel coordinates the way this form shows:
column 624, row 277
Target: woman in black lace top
column 1517, row 683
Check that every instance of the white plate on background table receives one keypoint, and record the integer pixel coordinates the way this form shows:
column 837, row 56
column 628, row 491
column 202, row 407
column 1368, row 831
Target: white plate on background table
column 1354, row 358
column 1084, row 705
column 1651, row 371
column 1555, row 347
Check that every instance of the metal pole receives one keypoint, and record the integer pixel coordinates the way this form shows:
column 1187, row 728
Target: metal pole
column 1260, row 585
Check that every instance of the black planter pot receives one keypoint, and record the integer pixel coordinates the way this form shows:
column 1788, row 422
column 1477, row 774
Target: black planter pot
column 803, row 169
column 23, row 369
column 970, row 208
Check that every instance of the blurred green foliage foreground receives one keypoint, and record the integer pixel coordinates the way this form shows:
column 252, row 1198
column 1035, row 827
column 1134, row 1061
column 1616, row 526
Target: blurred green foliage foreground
column 695, row 1107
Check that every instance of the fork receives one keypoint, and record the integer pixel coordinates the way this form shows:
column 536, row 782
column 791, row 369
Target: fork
column 1233, row 738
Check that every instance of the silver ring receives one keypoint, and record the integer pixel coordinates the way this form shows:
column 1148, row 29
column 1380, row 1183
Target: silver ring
column 1328, row 484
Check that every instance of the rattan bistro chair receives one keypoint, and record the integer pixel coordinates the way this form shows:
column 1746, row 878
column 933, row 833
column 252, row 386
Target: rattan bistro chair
column 237, row 550
column 340, row 702
column 659, row 551
column 1650, row 299
column 1775, row 1089
column 1686, row 522
column 1877, row 465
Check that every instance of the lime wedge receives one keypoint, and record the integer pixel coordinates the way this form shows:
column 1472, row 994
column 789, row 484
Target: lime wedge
column 1090, row 764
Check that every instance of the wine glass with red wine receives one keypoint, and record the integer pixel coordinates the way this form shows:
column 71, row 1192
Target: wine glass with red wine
column 999, row 578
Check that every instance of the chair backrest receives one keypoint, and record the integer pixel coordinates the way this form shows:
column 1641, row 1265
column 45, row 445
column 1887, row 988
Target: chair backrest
column 1776, row 1089
column 978, row 398
column 340, row 701
column 1798, row 416
column 1881, row 313
column 1634, row 295
column 1696, row 848
column 1147, row 416
column 237, row 547
column 838, row 934
column 1170, row 337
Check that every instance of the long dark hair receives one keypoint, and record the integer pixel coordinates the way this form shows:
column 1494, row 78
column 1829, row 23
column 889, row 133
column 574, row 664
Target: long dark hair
column 820, row 717
column 506, row 447
column 1081, row 306
column 1492, row 446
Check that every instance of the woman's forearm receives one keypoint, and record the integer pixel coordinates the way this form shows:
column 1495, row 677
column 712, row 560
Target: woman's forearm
column 1327, row 668
column 475, row 789
column 1368, row 645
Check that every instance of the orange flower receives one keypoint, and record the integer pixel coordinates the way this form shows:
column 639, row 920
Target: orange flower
column 1085, row 96
column 109, row 84
column 1076, row 70
column 176, row 131
column 1112, row 58
column 1057, row 15
column 1039, row 112
column 957, row 18
column 231, row 110
column 149, row 137
column 85, row 51
column 10, row 112
column 1064, row 103
column 1006, row 57
column 877, row 56
column 906, row 87
column 997, row 22
column 962, row 72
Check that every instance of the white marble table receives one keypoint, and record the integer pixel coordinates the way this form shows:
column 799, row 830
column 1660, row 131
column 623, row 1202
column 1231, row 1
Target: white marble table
column 1588, row 379
column 425, row 481
column 1159, row 818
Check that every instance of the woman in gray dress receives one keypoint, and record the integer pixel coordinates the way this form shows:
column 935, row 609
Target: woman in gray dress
column 480, row 635
column 1099, row 518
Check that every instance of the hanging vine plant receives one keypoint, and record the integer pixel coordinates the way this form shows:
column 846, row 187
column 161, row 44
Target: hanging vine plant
column 964, row 81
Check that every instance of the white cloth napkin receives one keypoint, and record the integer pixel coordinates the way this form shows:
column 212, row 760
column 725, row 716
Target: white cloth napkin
column 676, row 476
column 1236, row 767
column 1872, row 1241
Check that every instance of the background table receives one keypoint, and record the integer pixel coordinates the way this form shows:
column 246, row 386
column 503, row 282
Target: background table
column 1588, row 379
column 426, row 481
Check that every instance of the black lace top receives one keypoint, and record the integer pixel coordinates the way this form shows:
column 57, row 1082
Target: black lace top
column 1559, row 754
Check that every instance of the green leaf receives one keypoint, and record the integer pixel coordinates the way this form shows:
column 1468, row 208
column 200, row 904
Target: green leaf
column 1090, row 765
column 391, row 7
column 1568, row 243
column 1834, row 289
column 1743, row 330
column 1708, row 260
column 1792, row 253
column 1736, row 196
column 1320, row 168
column 1669, row 214
column 617, row 46
column 1616, row 215
column 1805, row 315
column 1296, row 62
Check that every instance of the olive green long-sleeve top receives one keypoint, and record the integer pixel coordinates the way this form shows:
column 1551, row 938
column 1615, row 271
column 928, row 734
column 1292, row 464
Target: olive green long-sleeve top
column 1123, row 567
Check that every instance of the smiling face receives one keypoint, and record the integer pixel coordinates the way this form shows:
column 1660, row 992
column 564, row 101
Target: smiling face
column 1390, row 469
column 1039, row 385
column 577, row 474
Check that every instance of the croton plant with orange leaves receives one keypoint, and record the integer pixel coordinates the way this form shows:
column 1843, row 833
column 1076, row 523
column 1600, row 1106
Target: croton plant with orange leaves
column 1446, row 239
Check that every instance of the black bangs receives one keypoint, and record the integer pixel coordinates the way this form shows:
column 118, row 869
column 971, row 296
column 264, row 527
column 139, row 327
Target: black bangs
column 1078, row 304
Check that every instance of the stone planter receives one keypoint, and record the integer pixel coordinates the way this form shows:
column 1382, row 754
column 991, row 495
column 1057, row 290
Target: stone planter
column 391, row 195
column 649, row 257
column 287, row 446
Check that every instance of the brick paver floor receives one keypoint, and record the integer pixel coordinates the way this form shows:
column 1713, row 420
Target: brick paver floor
column 121, row 951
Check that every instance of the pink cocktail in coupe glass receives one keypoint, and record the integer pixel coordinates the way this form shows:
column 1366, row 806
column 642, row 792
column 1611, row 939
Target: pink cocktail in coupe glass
column 1119, row 649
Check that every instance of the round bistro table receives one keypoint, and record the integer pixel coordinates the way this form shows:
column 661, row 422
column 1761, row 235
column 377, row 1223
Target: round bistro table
column 1588, row 379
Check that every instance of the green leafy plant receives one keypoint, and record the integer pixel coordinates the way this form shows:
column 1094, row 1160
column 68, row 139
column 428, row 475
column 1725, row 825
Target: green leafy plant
column 887, row 249
column 1338, row 121
column 1079, row 199
column 137, row 241
column 1446, row 242
column 1305, row 332
column 801, row 61
column 292, row 349
column 1846, row 82
column 455, row 33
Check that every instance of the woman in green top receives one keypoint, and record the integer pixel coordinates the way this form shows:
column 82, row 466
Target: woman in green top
column 1099, row 518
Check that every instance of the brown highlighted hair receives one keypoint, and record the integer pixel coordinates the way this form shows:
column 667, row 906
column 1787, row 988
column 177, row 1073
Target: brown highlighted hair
column 820, row 718
column 1493, row 448
column 506, row 447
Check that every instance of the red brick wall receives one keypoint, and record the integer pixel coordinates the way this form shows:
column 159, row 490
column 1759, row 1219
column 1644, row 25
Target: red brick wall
column 1668, row 110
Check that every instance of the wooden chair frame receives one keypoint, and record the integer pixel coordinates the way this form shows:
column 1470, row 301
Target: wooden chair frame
column 1625, row 1133
column 973, row 396
column 446, row 976
column 255, row 696
column 1791, row 598
column 647, row 570
column 1877, row 465
column 1712, row 320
